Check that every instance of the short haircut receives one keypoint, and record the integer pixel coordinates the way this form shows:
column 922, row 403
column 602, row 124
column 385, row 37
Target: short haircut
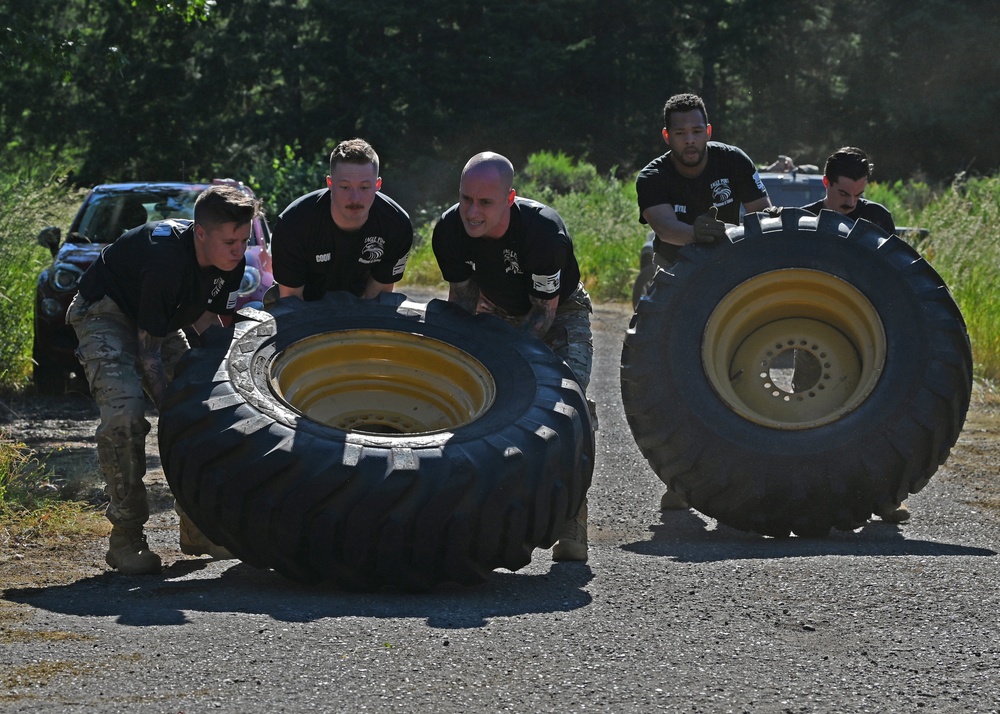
column 848, row 161
column 225, row 204
column 686, row 102
column 500, row 163
column 353, row 151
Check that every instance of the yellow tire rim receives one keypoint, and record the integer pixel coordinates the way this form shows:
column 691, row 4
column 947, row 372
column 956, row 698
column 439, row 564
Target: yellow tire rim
column 382, row 382
column 794, row 349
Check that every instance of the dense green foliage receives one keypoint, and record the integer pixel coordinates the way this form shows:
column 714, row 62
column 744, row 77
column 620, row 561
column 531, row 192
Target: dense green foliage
column 127, row 89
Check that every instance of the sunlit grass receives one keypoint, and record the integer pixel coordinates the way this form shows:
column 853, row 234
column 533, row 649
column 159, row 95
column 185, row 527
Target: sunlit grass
column 963, row 245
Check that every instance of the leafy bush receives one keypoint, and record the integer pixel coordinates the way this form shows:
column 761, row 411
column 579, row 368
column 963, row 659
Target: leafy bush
column 905, row 200
column 607, row 236
column 280, row 180
column 547, row 175
column 30, row 199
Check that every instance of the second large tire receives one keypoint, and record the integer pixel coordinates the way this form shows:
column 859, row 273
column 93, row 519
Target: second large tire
column 378, row 443
column 801, row 375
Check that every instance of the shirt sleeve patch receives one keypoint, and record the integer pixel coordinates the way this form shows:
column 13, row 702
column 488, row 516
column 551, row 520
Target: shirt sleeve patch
column 548, row 284
column 231, row 302
column 400, row 265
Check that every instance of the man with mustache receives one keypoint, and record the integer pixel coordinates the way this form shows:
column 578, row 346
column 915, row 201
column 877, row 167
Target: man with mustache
column 512, row 257
column 347, row 236
column 845, row 176
column 691, row 193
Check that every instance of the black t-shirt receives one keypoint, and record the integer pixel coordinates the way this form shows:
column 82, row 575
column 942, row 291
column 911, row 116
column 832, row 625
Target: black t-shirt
column 308, row 249
column 533, row 258
column 728, row 181
column 869, row 210
column 152, row 274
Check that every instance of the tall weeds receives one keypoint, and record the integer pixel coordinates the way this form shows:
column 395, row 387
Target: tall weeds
column 30, row 199
column 963, row 245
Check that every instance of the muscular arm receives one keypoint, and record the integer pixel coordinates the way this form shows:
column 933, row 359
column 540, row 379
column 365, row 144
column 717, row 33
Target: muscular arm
column 151, row 361
column 464, row 294
column 667, row 226
column 540, row 316
column 374, row 287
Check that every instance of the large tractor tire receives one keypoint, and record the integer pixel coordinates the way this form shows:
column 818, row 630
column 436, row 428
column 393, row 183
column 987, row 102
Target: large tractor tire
column 376, row 443
column 801, row 375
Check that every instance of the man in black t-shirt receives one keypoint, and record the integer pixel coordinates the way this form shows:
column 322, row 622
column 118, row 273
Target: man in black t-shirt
column 845, row 176
column 691, row 192
column 513, row 257
column 128, row 314
column 348, row 236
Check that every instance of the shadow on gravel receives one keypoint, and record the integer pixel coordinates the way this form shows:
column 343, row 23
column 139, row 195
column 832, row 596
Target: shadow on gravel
column 167, row 598
column 685, row 537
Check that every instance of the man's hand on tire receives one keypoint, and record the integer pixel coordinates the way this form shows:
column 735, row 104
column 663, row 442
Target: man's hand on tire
column 707, row 227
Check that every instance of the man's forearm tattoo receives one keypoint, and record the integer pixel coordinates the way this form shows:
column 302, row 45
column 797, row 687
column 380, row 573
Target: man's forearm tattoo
column 465, row 294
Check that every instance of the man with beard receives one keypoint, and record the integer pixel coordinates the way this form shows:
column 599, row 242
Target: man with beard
column 348, row 236
column 845, row 177
column 691, row 193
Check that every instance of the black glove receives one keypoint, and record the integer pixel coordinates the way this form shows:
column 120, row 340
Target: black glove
column 772, row 211
column 707, row 227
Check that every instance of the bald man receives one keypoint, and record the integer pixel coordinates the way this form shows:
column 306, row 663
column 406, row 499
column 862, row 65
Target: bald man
column 513, row 258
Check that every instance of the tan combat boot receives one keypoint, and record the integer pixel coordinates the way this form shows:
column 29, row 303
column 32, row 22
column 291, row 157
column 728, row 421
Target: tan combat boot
column 672, row 501
column 194, row 542
column 572, row 543
column 129, row 553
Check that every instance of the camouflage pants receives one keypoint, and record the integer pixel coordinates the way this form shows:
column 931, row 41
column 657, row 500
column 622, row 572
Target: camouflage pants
column 570, row 336
column 109, row 351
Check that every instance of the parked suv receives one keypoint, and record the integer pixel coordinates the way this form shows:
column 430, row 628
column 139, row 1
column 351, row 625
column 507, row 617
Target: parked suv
column 108, row 211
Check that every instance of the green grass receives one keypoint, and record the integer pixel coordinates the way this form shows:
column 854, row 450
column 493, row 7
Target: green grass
column 963, row 245
column 30, row 199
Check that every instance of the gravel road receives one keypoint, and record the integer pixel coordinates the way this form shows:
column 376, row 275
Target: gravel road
column 672, row 612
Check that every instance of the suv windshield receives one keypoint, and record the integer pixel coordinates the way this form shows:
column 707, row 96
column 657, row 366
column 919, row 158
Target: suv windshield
column 107, row 215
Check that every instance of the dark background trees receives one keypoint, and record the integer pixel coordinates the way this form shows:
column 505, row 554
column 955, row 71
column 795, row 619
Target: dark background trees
column 123, row 89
